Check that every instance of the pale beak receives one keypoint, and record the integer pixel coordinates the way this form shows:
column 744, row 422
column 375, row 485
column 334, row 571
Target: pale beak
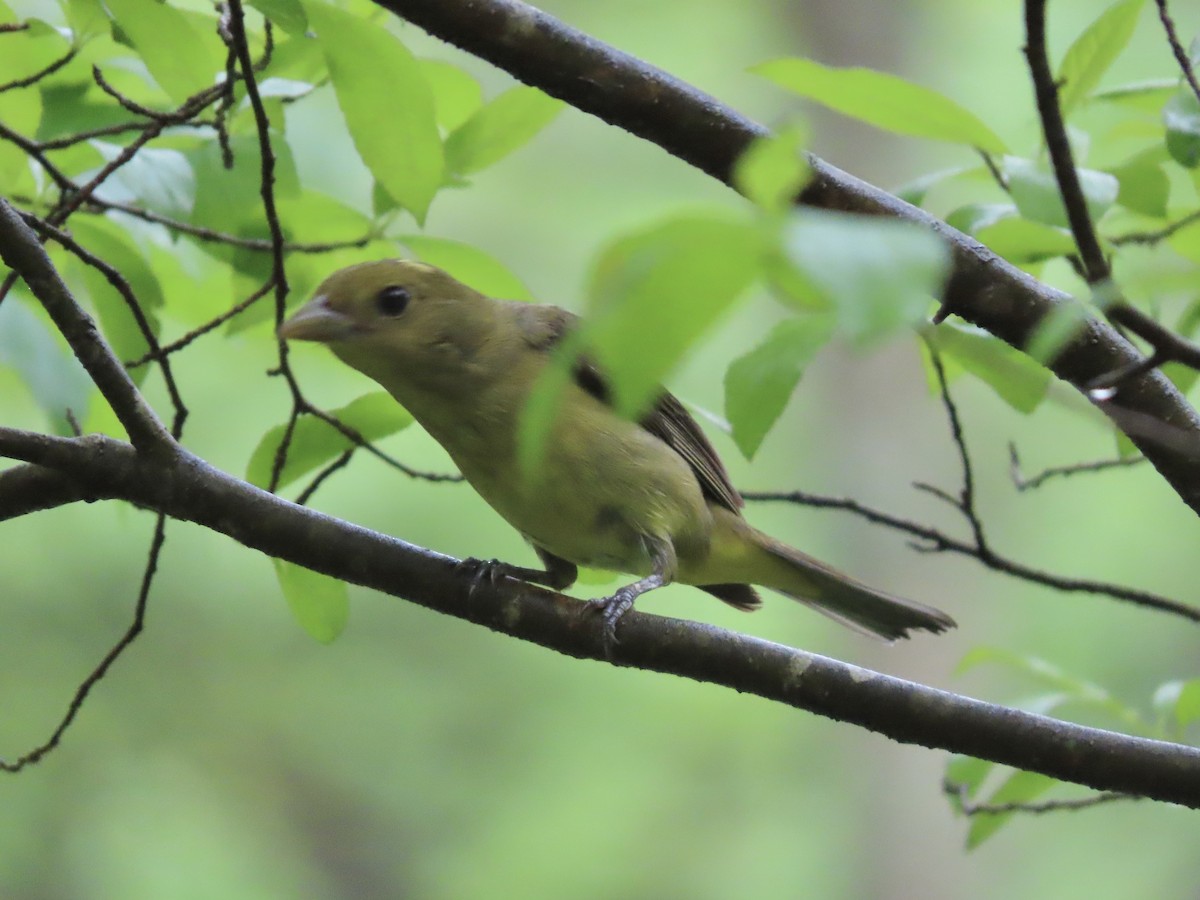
column 316, row 321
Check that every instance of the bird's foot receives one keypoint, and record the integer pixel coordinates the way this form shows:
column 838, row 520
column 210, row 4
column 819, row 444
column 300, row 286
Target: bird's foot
column 610, row 610
column 481, row 570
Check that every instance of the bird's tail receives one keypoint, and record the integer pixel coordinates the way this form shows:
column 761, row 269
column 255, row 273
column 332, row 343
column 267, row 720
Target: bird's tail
column 771, row 564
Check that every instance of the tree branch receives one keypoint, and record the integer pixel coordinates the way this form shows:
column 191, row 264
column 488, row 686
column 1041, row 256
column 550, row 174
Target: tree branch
column 983, row 288
column 183, row 486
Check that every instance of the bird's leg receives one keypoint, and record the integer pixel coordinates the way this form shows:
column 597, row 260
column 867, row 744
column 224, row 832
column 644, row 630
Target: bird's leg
column 558, row 574
column 611, row 609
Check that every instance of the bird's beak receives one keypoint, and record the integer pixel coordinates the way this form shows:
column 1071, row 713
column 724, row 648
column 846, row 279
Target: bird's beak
column 316, row 321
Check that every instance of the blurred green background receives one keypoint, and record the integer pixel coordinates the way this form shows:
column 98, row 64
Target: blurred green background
column 229, row 755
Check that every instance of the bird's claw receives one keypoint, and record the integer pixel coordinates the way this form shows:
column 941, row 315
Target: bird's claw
column 611, row 610
column 480, row 570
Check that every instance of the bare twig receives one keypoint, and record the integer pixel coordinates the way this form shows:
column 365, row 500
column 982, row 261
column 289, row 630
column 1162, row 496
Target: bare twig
column 1181, row 57
column 37, row 76
column 320, row 478
column 1021, row 483
column 97, row 674
column 962, row 798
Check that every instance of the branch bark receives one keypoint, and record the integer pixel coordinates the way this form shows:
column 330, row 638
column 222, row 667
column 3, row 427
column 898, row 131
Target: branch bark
column 183, row 486
column 698, row 129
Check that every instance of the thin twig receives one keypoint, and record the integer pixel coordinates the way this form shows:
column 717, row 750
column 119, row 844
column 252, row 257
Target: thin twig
column 1181, row 57
column 37, row 76
column 232, row 240
column 1095, row 264
column 339, row 463
column 961, row 794
column 33, row 756
column 1021, row 483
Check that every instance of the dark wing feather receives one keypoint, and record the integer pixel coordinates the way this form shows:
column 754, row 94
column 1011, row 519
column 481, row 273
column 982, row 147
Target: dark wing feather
column 667, row 420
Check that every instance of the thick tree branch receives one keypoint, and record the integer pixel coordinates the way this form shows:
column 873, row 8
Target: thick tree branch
column 984, row 289
column 185, row 487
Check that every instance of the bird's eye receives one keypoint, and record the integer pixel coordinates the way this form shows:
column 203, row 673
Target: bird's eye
column 392, row 300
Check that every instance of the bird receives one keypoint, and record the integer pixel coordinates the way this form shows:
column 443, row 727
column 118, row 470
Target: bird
column 648, row 497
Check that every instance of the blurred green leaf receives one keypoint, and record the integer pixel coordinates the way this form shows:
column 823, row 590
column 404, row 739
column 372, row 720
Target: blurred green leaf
column 1020, row 382
column 1022, row 242
column 113, row 244
column 1057, row 330
column 879, row 274
column 55, row 378
column 1145, row 96
column 1090, row 56
column 1179, row 701
column 316, row 442
column 884, row 101
column 287, row 14
column 1144, row 186
column 87, row 19
column 505, row 124
column 320, row 604
column 158, row 179
column 655, row 293
column 773, row 169
column 387, row 103
column 456, row 94
column 470, row 265
column 181, row 58
column 759, row 384
column 1181, row 116
column 1035, row 191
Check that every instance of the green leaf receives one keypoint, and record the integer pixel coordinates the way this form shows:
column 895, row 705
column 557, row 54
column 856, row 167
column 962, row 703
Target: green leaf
column 157, row 179
column 315, row 442
column 773, row 169
column 969, row 772
column 505, row 124
column 470, row 265
column 1022, row 242
column 320, row 604
column 456, row 95
column 1019, row 787
column 1144, row 186
column 879, row 274
column 387, row 104
column 1056, row 330
column 1144, row 96
column 883, row 100
column 1019, row 381
column 1181, row 116
column 1035, row 191
column 1090, row 56
column 1181, row 701
column 55, row 378
column 181, row 59
column 87, row 19
column 655, row 293
column 759, row 384
column 113, row 245
column 287, row 14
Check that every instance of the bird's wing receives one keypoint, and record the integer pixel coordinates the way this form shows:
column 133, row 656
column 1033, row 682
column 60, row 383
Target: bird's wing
column 667, row 419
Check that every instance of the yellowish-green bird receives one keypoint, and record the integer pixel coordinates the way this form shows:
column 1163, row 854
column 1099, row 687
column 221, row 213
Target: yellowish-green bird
column 648, row 498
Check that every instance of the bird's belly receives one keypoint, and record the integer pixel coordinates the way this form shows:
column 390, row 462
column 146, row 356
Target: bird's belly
column 599, row 499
